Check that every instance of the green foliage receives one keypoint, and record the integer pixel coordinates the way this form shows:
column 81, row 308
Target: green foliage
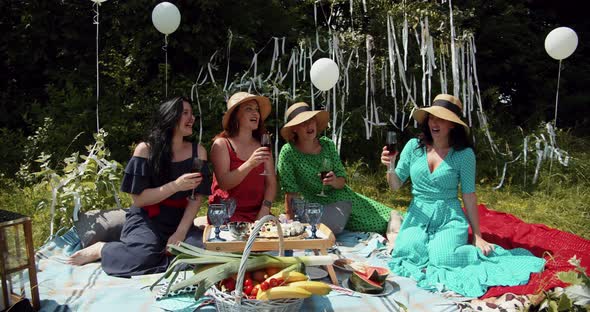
column 575, row 297
column 88, row 181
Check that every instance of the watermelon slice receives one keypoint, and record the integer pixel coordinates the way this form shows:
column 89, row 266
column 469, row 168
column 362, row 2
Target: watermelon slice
column 362, row 283
column 377, row 274
column 369, row 280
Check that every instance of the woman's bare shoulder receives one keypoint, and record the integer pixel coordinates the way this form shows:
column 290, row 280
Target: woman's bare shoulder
column 142, row 150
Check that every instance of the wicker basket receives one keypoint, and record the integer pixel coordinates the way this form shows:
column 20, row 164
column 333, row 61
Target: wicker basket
column 235, row 301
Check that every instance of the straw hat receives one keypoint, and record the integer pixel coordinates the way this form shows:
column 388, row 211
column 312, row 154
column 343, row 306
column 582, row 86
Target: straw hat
column 242, row 97
column 299, row 113
column 444, row 106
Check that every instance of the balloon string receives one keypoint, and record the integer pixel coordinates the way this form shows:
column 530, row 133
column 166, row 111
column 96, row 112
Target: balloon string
column 557, row 95
column 165, row 48
column 95, row 22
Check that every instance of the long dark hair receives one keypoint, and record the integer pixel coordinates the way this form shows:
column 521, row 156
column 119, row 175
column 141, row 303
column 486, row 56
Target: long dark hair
column 458, row 138
column 234, row 127
column 159, row 139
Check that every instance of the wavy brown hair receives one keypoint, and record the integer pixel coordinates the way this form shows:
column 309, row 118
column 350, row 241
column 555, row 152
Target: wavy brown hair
column 234, row 127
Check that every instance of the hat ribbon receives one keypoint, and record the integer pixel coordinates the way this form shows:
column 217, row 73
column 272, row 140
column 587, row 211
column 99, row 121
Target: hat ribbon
column 298, row 111
column 448, row 105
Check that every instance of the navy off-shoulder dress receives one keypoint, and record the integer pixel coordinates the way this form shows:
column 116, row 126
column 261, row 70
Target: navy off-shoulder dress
column 142, row 248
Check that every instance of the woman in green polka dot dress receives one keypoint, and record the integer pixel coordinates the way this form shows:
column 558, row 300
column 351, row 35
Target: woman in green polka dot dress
column 432, row 243
column 300, row 163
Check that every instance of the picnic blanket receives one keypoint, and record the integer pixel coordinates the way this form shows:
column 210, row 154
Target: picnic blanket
column 556, row 246
column 63, row 287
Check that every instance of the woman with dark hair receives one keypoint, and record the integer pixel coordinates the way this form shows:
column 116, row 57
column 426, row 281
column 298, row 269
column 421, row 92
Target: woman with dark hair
column 161, row 184
column 239, row 159
column 432, row 243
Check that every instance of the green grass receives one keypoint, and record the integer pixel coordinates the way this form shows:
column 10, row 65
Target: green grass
column 562, row 201
column 557, row 204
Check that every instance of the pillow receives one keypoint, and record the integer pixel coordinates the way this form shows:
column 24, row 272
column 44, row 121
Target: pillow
column 336, row 215
column 100, row 226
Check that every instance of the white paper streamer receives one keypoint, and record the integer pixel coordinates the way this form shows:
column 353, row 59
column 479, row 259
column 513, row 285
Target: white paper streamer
column 96, row 22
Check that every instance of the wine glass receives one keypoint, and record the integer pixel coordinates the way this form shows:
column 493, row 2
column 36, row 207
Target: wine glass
column 313, row 212
column 298, row 206
column 391, row 142
column 265, row 142
column 325, row 168
column 196, row 167
column 217, row 214
column 230, row 205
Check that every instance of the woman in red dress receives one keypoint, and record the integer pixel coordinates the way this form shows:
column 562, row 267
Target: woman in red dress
column 239, row 159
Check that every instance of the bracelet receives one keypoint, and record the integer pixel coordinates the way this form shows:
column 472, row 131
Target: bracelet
column 267, row 203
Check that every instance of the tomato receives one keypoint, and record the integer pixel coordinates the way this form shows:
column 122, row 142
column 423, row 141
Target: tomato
column 230, row 284
column 264, row 286
column 259, row 276
column 272, row 271
column 248, row 282
column 254, row 291
column 273, row 282
column 248, row 290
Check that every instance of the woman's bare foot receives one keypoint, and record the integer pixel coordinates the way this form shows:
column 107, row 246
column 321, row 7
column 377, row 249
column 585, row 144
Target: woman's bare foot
column 86, row 255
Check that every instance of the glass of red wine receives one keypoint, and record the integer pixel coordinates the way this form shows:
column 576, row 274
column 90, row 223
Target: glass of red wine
column 265, row 142
column 196, row 166
column 391, row 142
column 325, row 168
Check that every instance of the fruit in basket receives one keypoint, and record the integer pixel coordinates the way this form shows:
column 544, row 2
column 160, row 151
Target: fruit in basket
column 283, row 292
column 288, row 276
column 316, row 288
column 270, row 271
column 259, row 275
column 370, row 280
column 226, row 265
column 228, row 284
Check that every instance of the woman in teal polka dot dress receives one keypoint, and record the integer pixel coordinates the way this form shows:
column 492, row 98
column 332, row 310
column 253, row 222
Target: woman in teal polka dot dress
column 299, row 167
column 432, row 243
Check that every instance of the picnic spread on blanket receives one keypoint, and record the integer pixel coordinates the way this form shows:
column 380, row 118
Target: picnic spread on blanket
column 64, row 287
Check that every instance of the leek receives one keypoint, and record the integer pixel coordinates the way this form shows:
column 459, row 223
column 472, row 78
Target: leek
column 227, row 265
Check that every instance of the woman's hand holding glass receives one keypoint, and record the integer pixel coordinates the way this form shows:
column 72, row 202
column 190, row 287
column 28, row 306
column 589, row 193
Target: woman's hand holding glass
column 259, row 156
column 188, row 181
column 388, row 158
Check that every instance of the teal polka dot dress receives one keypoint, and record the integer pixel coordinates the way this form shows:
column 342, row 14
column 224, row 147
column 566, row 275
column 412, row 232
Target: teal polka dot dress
column 432, row 243
column 298, row 173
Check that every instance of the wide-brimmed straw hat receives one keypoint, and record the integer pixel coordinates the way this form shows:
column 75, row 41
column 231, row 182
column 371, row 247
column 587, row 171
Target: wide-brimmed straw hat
column 299, row 113
column 242, row 97
column 444, row 106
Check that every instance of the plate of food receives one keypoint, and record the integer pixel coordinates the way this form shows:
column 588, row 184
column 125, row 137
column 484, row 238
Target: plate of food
column 270, row 229
column 387, row 288
column 370, row 281
column 344, row 264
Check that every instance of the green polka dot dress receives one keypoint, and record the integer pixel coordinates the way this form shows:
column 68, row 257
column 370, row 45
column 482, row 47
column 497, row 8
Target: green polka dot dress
column 298, row 173
column 432, row 243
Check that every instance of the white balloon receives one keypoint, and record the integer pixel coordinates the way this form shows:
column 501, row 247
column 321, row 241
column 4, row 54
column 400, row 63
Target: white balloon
column 166, row 17
column 324, row 74
column 561, row 43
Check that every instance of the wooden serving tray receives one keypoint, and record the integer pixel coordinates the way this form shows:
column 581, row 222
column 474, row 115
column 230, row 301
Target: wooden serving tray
column 326, row 240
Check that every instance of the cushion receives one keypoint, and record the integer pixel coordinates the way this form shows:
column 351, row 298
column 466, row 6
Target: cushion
column 100, row 226
column 336, row 215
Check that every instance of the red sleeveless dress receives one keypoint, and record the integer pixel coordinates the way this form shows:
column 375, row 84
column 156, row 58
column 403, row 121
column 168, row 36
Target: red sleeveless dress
column 249, row 194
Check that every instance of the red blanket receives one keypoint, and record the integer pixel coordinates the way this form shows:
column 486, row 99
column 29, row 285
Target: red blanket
column 556, row 246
